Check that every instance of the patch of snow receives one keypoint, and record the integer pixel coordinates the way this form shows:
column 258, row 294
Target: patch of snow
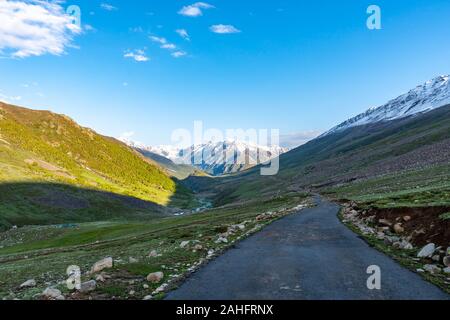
column 431, row 95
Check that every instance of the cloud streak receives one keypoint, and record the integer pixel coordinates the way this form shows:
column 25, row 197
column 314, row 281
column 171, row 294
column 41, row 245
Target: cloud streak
column 184, row 34
column 108, row 7
column 224, row 29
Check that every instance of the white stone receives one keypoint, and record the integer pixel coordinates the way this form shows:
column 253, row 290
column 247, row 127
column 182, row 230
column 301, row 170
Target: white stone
column 51, row 293
column 184, row 244
column 446, row 261
column 102, row 264
column 427, row 251
column 28, row 284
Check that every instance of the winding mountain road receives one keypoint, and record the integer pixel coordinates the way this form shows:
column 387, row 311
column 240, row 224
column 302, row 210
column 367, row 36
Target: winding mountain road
column 307, row 255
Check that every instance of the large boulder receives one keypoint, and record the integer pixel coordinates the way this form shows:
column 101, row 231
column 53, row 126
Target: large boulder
column 52, row 293
column 28, row 284
column 431, row 268
column 447, row 261
column 398, row 228
column 184, row 244
column 88, row 286
column 427, row 251
column 155, row 277
column 102, row 265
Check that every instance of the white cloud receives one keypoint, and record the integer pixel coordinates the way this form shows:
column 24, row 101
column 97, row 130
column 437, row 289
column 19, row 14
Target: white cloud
column 184, row 34
column 224, row 29
column 169, row 46
column 178, row 54
column 34, row 28
column 108, row 7
column 136, row 55
column 163, row 42
column 89, row 28
column 297, row 139
column 195, row 10
column 158, row 39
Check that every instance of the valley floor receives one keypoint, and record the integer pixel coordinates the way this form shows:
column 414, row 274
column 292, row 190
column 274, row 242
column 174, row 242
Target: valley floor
column 307, row 255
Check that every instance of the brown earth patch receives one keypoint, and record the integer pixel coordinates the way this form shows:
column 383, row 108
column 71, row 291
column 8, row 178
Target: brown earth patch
column 425, row 225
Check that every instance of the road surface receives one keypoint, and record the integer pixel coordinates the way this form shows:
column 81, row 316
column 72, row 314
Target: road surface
column 307, row 255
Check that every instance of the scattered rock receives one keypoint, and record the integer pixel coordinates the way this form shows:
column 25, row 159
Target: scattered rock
column 102, row 264
column 447, row 270
column 146, row 298
column 222, row 240
column 100, row 278
column 385, row 222
column 132, row 293
column 145, row 286
column 28, row 284
column 155, row 277
column 427, row 251
column 398, row 228
column 436, row 258
column 420, row 271
column 52, row 293
column 153, row 254
column 431, row 268
column 88, row 286
column 407, row 218
column 184, row 244
column 198, row 247
column 133, row 260
column 446, row 261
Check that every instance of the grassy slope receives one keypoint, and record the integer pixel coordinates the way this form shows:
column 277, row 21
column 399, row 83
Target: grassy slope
column 40, row 147
column 52, row 249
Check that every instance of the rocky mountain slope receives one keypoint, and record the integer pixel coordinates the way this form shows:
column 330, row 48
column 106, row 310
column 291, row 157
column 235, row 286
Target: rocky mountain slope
column 424, row 98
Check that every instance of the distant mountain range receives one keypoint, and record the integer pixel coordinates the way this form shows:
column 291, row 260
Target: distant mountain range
column 424, row 98
column 214, row 158
column 408, row 140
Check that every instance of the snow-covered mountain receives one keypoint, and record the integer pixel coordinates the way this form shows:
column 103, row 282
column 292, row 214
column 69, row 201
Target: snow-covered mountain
column 424, row 98
column 216, row 158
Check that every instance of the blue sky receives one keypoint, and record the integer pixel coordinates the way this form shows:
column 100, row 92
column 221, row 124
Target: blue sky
column 294, row 65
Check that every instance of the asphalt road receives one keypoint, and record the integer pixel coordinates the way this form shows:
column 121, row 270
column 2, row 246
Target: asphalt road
column 307, row 255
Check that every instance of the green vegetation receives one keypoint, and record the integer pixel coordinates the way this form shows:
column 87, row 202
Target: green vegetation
column 76, row 153
column 50, row 168
column 51, row 249
column 445, row 216
column 416, row 188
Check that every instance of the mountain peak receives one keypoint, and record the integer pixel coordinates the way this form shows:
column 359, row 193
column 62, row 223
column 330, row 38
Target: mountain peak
column 431, row 95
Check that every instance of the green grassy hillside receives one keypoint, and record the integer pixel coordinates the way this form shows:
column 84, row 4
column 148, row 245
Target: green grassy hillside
column 41, row 149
